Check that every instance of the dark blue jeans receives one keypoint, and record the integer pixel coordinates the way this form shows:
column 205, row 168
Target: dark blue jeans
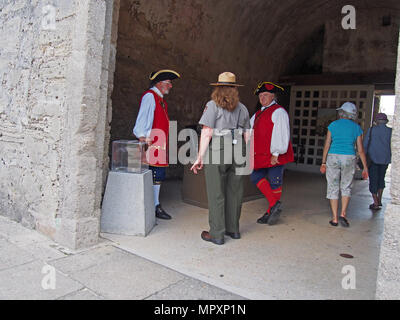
column 376, row 177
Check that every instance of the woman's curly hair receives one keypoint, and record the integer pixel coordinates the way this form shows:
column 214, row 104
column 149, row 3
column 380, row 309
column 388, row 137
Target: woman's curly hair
column 226, row 97
column 347, row 115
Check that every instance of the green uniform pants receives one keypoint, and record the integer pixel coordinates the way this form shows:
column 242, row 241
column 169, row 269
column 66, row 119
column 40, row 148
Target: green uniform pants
column 225, row 194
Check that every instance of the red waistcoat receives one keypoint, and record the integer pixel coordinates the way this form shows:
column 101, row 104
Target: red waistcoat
column 263, row 127
column 157, row 153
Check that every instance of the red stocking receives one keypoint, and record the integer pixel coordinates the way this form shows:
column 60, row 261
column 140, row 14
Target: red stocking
column 277, row 193
column 266, row 190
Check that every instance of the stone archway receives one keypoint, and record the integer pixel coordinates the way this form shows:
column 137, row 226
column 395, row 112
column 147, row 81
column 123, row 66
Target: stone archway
column 89, row 226
column 54, row 146
column 388, row 264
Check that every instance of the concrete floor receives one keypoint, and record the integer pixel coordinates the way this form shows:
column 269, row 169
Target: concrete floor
column 101, row 272
column 299, row 258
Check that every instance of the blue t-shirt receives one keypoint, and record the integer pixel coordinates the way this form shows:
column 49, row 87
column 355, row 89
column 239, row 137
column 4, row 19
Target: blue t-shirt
column 344, row 136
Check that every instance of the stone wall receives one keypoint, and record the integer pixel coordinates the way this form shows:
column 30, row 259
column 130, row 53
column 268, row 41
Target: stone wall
column 370, row 48
column 388, row 282
column 34, row 59
column 55, row 88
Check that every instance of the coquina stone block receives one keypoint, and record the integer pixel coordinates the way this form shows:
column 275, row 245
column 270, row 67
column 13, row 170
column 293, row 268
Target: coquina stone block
column 128, row 204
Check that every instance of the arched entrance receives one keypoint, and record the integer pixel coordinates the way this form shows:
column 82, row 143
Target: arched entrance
column 192, row 39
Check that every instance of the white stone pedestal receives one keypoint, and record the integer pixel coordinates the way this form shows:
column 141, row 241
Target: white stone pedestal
column 128, row 204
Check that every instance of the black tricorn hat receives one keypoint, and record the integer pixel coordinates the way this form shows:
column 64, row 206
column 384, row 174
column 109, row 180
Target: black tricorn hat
column 267, row 87
column 162, row 75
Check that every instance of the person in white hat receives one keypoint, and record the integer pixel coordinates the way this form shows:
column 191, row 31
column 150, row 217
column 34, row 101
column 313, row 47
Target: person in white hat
column 151, row 120
column 224, row 117
column 339, row 160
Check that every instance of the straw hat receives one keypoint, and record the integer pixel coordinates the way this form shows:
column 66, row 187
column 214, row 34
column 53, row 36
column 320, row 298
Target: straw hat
column 226, row 79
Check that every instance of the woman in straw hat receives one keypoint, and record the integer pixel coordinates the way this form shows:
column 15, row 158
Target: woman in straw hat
column 224, row 119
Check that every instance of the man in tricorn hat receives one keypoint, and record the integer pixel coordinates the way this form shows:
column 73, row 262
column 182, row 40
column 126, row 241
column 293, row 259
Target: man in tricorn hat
column 272, row 148
column 152, row 126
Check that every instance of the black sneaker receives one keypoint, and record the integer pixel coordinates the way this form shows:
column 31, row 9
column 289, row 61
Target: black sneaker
column 161, row 214
column 274, row 213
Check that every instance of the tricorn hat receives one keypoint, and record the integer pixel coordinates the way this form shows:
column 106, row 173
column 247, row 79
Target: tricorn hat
column 162, row 75
column 267, row 87
column 226, row 79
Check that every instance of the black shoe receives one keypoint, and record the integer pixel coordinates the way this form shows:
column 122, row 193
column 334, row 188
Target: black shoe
column 274, row 213
column 344, row 222
column 263, row 219
column 161, row 214
column 334, row 224
column 233, row 235
column 205, row 235
column 374, row 207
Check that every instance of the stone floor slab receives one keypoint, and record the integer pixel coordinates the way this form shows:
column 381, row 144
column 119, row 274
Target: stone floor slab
column 43, row 251
column 193, row 289
column 84, row 294
column 25, row 283
column 13, row 256
column 87, row 259
column 116, row 274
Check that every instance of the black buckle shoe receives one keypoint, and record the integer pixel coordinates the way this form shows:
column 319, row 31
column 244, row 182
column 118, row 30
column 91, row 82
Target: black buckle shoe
column 263, row 219
column 274, row 213
column 233, row 235
column 161, row 214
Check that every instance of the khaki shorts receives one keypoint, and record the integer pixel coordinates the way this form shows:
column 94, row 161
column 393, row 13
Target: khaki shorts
column 340, row 171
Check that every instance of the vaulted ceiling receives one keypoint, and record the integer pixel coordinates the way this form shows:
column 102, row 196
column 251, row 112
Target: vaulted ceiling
column 255, row 39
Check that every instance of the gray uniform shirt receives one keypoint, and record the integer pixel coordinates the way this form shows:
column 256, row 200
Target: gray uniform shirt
column 217, row 118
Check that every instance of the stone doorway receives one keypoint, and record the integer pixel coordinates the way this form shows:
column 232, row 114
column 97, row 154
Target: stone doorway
column 151, row 36
column 312, row 109
column 62, row 103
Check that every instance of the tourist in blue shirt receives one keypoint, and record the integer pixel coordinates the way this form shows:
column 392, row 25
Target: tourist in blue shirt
column 377, row 141
column 339, row 160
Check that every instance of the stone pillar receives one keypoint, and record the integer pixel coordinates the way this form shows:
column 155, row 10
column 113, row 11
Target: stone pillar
column 388, row 282
column 112, row 36
column 85, row 124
